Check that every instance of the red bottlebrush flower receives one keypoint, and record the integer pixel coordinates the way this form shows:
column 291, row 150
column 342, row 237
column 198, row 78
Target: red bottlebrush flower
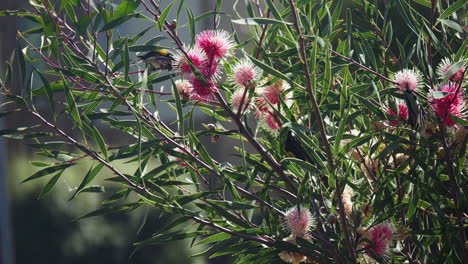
column 216, row 44
column 201, row 88
column 299, row 221
column 381, row 236
column 443, row 68
column 402, row 113
column 453, row 104
column 245, row 73
column 196, row 55
column 407, row 80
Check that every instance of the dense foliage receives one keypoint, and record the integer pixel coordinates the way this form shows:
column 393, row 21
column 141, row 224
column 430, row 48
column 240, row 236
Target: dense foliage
column 348, row 120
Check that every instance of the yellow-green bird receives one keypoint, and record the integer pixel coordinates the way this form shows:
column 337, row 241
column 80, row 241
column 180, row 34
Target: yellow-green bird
column 159, row 59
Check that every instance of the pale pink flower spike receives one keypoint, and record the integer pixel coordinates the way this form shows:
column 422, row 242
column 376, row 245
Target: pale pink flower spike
column 299, row 221
column 407, row 80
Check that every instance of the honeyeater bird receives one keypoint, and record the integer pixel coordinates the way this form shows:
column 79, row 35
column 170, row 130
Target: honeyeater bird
column 159, row 59
column 294, row 148
column 417, row 115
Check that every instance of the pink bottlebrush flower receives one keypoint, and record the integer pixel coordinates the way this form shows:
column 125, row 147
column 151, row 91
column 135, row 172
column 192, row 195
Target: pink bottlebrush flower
column 443, row 68
column 196, row 55
column 453, row 104
column 299, row 221
column 245, row 73
column 209, row 69
column 216, row 44
column 272, row 93
column 402, row 113
column 407, row 80
column 272, row 121
column 381, row 236
column 201, row 88
column 184, row 88
column 238, row 98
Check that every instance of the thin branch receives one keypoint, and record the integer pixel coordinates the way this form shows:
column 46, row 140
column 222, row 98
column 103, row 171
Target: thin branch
column 318, row 117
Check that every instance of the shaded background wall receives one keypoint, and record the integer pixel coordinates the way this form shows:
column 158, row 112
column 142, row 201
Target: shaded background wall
column 43, row 231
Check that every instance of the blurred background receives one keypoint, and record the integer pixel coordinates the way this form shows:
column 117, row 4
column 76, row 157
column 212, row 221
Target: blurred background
column 39, row 231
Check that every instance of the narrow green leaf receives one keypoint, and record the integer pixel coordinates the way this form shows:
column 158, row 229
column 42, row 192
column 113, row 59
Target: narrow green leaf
column 48, row 171
column 164, row 14
column 269, row 69
column 111, row 209
column 156, row 171
column 453, row 8
column 50, row 94
column 92, row 173
column 85, row 75
column 100, row 141
column 72, row 106
column 117, row 22
column 459, row 120
column 126, row 60
column 126, row 7
column 50, row 185
column 259, row 21
column 214, row 238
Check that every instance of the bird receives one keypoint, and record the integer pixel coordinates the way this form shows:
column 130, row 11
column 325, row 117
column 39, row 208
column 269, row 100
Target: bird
column 417, row 115
column 159, row 59
column 295, row 149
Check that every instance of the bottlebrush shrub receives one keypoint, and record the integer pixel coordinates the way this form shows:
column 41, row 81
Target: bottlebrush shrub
column 316, row 95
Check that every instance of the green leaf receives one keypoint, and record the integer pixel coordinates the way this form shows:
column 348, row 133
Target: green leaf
column 453, row 8
column 172, row 236
column 50, row 94
column 12, row 130
column 72, row 107
column 100, row 141
column 117, row 22
column 230, row 205
column 452, row 24
column 425, row 3
column 214, row 238
column 126, row 7
column 111, row 209
column 269, row 69
column 459, row 120
column 158, row 170
column 48, row 171
column 440, row 94
column 259, row 21
column 454, row 68
column 85, row 75
column 92, row 173
column 50, row 185
column 164, row 14
column 126, row 60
